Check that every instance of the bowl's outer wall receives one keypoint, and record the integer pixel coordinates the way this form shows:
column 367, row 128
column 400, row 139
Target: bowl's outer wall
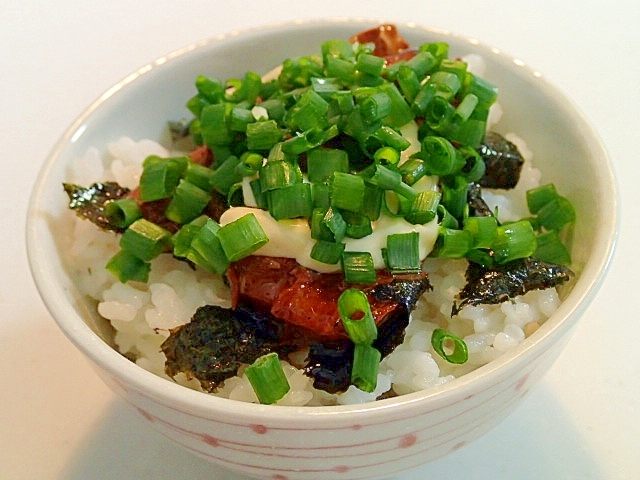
column 351, row 442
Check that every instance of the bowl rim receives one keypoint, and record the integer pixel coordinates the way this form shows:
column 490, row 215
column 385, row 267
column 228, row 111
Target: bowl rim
column 145, row 383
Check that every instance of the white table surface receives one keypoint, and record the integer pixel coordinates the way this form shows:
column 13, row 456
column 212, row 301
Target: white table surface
column 58, row 421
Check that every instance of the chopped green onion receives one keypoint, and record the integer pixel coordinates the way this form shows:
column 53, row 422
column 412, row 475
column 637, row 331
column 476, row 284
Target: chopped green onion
column 358, row 267
column 538, row 197
column 514, row 240
column 263, row 135
column 239, row 119
column 242, row 237
column 440, row 50
column 320, row 195
column 210, row 88
column 322, row 162
column 181, row 240
column 327, row 252
column 206, row 250
column 408, row 82
column 268, row 379
column 447, row 84
column 422, row 63
column 370, row 64
column 412, row 170
column 358, row 225
column 364, row 371
column 441, row 157
column 387, row 156
column 387, row 178
column 465, row 108
column 557, row 214
column 474, row 167
column 423, row 207
column 309, row 112
column 445, row 218
column 122, row 212
column 336, row 224
column 126, row 266
column 290, row 201
column 213, row 125
column 235, row 197
column 486, row 92
column 452, row 243
column 160, row 177
column 400, row 113
column 450, row 347
column 226, row 175
column 391, row 138
column 199, row 175
column 357, row 319
column 402, row 254
column 187, row 203
column 551, row 249
column 438, row 114
column 278, row 174
column 372, row 201
column 347, row 191
column 483, row 230
column 470, row 133
column 454, row 195
column 145, row 239
column 260, row 197
column 374, row 107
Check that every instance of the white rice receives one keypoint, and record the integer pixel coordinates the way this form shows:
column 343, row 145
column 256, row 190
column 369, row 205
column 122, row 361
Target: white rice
column 142, row 314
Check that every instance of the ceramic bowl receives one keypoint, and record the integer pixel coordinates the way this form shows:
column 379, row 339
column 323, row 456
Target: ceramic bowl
column 373, row 440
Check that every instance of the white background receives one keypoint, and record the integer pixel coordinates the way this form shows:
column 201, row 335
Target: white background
column 58, row 421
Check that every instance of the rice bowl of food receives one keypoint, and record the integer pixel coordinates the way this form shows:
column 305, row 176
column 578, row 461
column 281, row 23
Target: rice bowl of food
column 344, row 267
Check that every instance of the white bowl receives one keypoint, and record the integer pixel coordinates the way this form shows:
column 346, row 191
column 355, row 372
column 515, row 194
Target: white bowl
column 373, row 440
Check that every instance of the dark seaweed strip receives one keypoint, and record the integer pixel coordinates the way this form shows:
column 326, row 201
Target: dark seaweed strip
column 477, row 206
column 503, row 162
column 89, row 202
column 504, row 282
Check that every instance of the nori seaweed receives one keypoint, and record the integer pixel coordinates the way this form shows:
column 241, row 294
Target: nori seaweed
column 501, row 283
column 89, row 202
column 503, row 162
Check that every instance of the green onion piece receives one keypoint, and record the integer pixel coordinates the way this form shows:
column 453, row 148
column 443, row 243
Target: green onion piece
column 126, row 266
column 187, row 203
column 387, row 156
column 248, row 89
column 423, row 207
column 275, row 108
column 387, row 178
column 401, row 112
column 447, row 84
column 239, row 119
column 226, row 175
column 336, row 224
column 263, row 135
column 145, row 239
column 249, row 164
column 441, row 157
column 423, row 98
column 440, row 50
column 372, row 201
column 449, row 346
column 422, row 63
column 357, row 319
column 483, row 230
column 291, row 201
column 211, row 89
column 391, row 138
column 320, row 195
column 199, row 175
column 310, row 111
column 358, row 267
column 557, row 214
column 454, row 66
column 347, row 191
column 481, row 257
column 358, row 225
column 374, row 107
column 308, row 139
column 160, row 177
column 327, row 252
column 364, row 371
column 213, row 125
column 445, row 218
column 465, row 108
column 402, row 254
column 370, row 64
column 470, row 133
column 486, row 92
column 354, row 126
column 122, row 212
column 268, row 379
column 195, row 105
column 452, row 243
column 514, row 240
column 319, row 230
column 322, row 162
column 551, row 249
column 538, row 197
column 337, row 49
column 235, row 197
column 408, row 82
column 438, row 114
column 325, row 87
column 454, row 195
column 242, row 237
column 278, row 174
column 181, row 240
column 206, row 250
column 343, row 70
column 412, row 170
column 260, row 197
column 474, row 167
